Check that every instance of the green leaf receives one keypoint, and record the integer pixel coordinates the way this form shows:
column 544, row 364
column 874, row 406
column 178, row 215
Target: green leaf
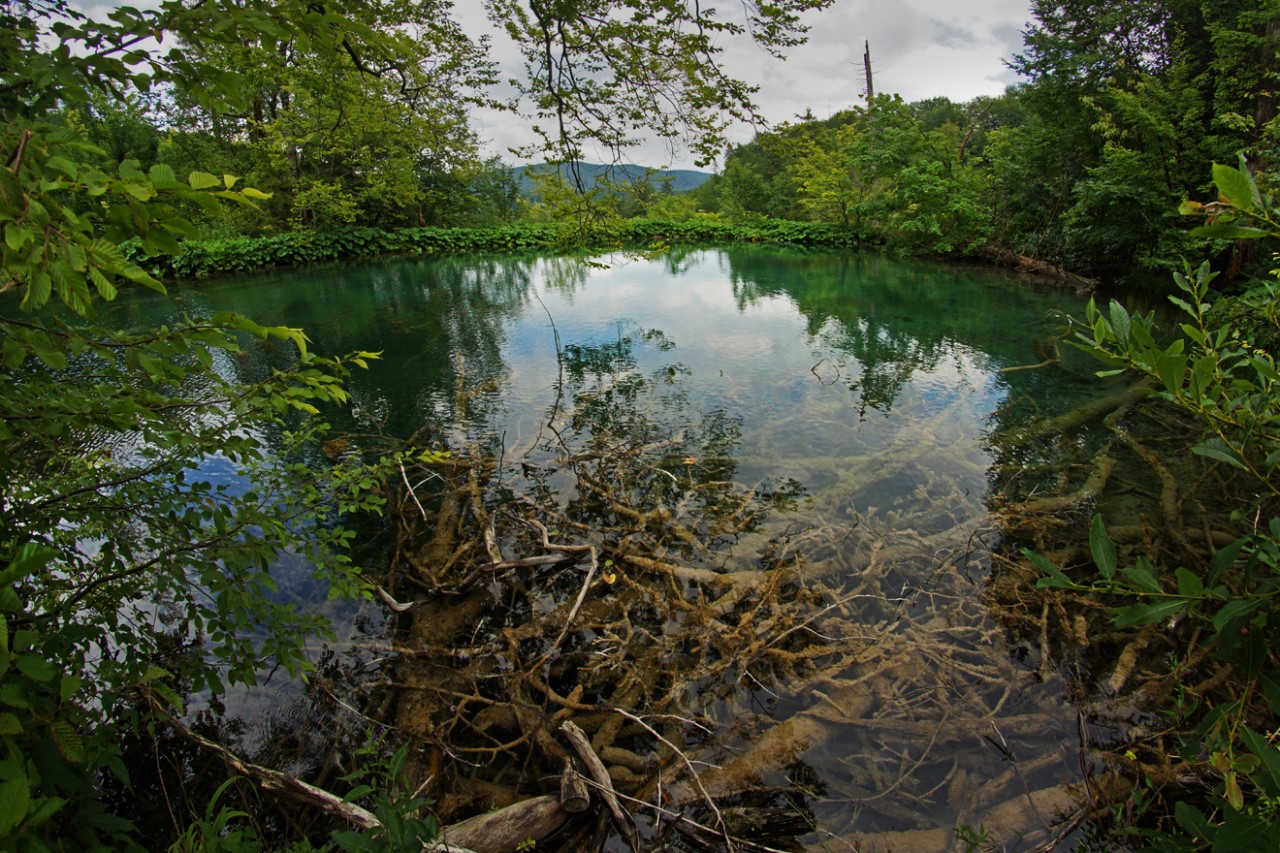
column 1172, row 369
column 1102, row 548
column 1224, row 558
column 1235, row 186
column 44, row 809
column 105, row 288
column 1189, row 584
column 1231, row 789
column 1216, row 448
column 69, row 742
column 202, row 181
column 12, row 354
column 10, row 724
column 358, row 792
column 1269, row 755
column 1193, row 821
column 1144, row 614
column 35, row 667
column 38, row 291
column 1228, row 231
column 1121, row 322
column 15, row 236
column 1143, row 576
column 1055, row 580
column 160, row 173
column 68, row 686
column 15, row 799
column 63, row 165
column 1235, row 609
column 31, row 560
column 14, row 696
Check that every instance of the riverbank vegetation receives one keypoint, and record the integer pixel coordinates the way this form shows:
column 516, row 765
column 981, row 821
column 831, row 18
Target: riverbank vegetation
column 198, row 139
column 1082, row 167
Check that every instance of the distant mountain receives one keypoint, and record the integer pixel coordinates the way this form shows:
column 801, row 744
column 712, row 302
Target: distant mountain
column 682, row 180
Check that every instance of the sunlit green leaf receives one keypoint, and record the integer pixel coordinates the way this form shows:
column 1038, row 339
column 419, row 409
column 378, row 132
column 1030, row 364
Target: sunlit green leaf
column 1235, row 186
column 202, row 181
column 1228, row 231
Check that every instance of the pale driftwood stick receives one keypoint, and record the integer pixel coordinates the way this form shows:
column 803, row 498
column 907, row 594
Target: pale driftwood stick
column 577, row 604
column 540, row 560
column 390, row 601
column 405, row 476
column 596, row 770
column 272, row 780
column 506, row 829
column 574, row 797
column 283, row 783
column 586, row 584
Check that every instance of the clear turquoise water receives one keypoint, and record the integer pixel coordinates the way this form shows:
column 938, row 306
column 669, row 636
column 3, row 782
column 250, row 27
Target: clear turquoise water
column 871, row 391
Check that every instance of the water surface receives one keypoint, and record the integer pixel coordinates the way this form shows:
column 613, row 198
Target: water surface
column 848, row 409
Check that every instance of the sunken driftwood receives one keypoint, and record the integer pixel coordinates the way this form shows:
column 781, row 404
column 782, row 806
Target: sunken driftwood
column 494, row 832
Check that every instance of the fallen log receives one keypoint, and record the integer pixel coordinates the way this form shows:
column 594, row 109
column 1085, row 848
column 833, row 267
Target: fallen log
column 501, row 831
column 1035, row 266
column 267, row 778
column 1040, row 817
column 506, row 830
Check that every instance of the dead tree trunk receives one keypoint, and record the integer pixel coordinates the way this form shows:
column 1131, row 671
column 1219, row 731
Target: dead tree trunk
column 866, row 70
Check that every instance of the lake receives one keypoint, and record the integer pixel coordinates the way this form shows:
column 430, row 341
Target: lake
column 731, row 511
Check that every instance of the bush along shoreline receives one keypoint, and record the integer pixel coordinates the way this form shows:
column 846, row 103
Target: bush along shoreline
column 199, row 259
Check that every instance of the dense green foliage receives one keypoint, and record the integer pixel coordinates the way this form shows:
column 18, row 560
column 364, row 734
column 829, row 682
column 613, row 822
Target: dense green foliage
column 1125, row 107
column 203, row 258
column 1213, row 369
column 130, row 572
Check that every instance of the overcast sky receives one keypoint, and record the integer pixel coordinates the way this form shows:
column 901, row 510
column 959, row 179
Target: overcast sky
column 919, row 49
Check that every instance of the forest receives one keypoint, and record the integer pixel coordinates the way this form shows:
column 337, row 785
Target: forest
column 149, row 148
